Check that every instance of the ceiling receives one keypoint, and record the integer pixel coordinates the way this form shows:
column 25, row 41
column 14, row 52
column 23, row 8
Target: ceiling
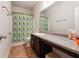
column 25, row 4
column 56, row 3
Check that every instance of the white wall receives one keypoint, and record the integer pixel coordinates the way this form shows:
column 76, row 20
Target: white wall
column 43, row 14
column 76, row 24
column 61, row 11
column 21, row 10
column 36, row 14
column 5, row 28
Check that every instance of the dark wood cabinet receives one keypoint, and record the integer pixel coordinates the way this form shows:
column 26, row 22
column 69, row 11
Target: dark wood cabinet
column 39, row 47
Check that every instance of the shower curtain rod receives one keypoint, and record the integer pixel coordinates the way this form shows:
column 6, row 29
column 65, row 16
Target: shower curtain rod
column 8, row 13
column 20, row 13
column 4, row 7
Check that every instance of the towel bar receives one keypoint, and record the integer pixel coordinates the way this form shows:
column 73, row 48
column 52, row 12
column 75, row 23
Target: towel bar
column 2, row 37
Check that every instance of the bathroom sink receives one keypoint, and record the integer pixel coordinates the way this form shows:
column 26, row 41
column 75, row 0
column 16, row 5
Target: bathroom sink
column 40, row 33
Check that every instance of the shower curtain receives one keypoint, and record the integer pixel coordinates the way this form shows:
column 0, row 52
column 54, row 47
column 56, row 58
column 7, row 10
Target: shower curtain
column 22, row 27
column 43, row 24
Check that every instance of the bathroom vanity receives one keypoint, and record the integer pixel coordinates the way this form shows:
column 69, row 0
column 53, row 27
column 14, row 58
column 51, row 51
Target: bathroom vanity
column 43, row 43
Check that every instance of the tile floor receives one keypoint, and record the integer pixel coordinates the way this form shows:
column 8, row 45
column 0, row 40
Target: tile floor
column 21, row 51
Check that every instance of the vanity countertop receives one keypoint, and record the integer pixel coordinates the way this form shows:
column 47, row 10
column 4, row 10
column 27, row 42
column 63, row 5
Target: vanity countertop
column 60, row 41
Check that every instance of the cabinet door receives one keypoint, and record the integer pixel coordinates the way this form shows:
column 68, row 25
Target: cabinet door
column 44, row 48
column 33, row 42
column 37, row 46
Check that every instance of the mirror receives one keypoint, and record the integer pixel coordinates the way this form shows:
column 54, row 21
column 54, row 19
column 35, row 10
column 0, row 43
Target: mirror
column 60, row 17
column 43, row 19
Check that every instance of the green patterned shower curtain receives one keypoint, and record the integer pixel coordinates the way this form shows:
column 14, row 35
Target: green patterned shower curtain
column 43, row 24
column 22, row 27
